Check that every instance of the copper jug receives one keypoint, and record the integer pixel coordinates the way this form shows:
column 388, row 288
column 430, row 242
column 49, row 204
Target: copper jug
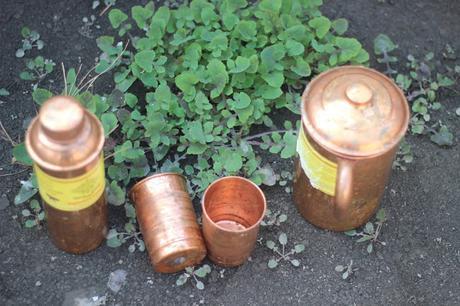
column 353, row 119
column 65, row 142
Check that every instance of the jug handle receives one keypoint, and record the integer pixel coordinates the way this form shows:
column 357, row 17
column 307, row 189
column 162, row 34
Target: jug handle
column 344, row 185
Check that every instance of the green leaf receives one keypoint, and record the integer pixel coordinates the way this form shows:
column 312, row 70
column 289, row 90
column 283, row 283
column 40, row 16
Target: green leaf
column 282, row 238
column 145, row 59
column 40, row 95
column 109, row 122
column 21, row 156
column 272, row 54
column 340, row 268
column 349, row 48
column 270, row 244
column 443, row 137
column 130, row 99
column 218, row 76
column 295, row 262
column 141, row 15
column 229, row 20
column 116, row 195
column 299, row 248
column 242, row 100
column 369, row 228
column 289, row 149
column 231, row 160
column 301, row 68
column 272, row 263
column 321, row 24
column 30, row 223
column 365, row 238
column 444, row 81
column 273, row 6
column 350, row 233
column 186, row 81
column 370, row 248
column 199, row 285
column 117, row 17
column 201, row 272
column 274, row 79
column 383, row 44
column 241, row 64
column 114, row 242
column 25, row 32
column 182, row 279
column 294, row 48
column 340, row 26
column 381, row 215
column 26, row 192
column 26, row 76
column 247, row 30
column 4, row 92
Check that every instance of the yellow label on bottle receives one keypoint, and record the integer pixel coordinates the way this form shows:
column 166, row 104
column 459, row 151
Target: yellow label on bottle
column 71, row 194
column 321, row 172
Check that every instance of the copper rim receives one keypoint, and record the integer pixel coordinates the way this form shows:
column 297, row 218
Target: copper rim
column 318, row 139
column 148, row 178
column 203, row 201
column 52, row 167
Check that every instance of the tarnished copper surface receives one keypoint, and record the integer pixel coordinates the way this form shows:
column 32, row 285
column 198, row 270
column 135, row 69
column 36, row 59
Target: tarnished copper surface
column 355, row 117
column 66, row 141
column 81, row 231
column 168, row 222
column 232, row 210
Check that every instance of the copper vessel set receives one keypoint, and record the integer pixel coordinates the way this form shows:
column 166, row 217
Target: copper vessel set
column 353, row 119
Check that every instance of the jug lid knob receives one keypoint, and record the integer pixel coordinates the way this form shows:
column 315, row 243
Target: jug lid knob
column 359, row 93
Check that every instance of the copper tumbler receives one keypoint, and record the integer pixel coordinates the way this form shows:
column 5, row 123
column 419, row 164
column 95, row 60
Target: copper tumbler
column 65, row 142
column 168, row 222
column 233, row 208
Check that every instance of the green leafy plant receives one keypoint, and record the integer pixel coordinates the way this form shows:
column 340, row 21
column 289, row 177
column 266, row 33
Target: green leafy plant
column 404, row 156
column 281, row 253
column 210, row 71
column 31, row 39
column 37, row 69
column 273, row 218
column 421, row 86
column 371, row 232
column 195, row 275
column 34, row 215
column 130, row 235
column 346, row 270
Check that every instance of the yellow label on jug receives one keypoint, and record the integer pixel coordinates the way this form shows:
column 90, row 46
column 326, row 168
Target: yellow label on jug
column 321, row 172
column 73, row 193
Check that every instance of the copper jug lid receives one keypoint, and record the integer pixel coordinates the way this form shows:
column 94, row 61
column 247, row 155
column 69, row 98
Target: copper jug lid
column 354, row 111
column 64, row 136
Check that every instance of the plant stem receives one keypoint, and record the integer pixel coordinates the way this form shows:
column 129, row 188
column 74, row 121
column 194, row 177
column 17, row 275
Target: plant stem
column 266, row 133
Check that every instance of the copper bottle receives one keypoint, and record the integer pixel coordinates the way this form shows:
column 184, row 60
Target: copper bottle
column 168, row 222
column 233, row 208
column 353, row 119
column 65, row 142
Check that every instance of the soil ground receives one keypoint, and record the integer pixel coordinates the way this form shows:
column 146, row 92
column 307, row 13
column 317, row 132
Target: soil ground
column 419, row 265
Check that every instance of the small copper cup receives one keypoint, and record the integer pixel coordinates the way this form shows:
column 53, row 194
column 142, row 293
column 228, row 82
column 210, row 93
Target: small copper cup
column 233, row 208
column 168, row 222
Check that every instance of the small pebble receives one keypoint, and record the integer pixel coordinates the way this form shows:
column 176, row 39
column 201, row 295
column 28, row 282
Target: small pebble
column 38, row 283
